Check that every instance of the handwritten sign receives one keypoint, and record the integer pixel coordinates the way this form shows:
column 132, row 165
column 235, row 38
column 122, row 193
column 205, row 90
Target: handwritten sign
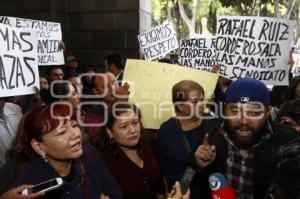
column 158, row 41
column 151, row 87
column 254, row 47
column 198, row 53
column 18, row 61
column 296, row 67
column 49, row 35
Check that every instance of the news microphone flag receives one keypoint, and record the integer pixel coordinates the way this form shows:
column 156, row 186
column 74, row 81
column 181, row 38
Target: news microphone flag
column 220, row 188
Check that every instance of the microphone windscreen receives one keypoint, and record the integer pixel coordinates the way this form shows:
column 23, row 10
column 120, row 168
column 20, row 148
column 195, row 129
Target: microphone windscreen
column 220, row 188
column 224, row 193
column 217, row 181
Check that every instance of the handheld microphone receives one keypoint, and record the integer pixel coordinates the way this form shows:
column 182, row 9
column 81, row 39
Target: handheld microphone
column 220, row 188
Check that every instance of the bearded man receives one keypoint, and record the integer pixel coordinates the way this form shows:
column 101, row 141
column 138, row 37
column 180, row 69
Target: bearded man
column 244, row 146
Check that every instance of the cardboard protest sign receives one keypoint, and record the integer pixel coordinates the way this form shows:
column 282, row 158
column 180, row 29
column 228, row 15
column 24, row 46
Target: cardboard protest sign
column 198, row 53
column 296, row 67
column 254, row 47
column 151, row 87
column 18, row 61
column 49, row 35
column 158, row 41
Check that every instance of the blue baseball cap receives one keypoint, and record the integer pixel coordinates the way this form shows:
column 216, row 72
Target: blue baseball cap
column 247, row 90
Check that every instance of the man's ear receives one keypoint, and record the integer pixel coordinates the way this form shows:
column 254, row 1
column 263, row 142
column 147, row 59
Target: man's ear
column 38, row 147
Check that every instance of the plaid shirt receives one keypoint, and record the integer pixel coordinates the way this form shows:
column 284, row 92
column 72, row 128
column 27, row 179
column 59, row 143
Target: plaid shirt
column 239, row 167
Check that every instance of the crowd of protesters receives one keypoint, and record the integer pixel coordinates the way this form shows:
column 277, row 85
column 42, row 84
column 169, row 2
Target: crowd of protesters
column 80, row 126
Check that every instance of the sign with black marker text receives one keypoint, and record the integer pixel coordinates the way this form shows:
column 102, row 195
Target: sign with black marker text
column 49, row 36
column 158, row 41
column 198, row 53
column 296, row 68
column 254, row 47
column 18, row 61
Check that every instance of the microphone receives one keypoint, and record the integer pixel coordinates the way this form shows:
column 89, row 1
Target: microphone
column 219, row 187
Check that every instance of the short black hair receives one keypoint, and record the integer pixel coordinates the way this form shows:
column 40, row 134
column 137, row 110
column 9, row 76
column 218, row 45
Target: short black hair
column 44, row 76
column 70, row 75
column 285, row 182
column 290, row 108
column 60, row 88
column 166, row 60
column 115, row 58
column 292, row 87
column 51, row 68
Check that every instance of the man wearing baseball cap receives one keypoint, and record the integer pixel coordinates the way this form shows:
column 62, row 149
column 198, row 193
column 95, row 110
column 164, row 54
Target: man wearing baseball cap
column 243, row 144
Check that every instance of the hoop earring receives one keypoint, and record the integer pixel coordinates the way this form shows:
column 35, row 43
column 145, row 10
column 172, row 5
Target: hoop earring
column 112, row 140
column 45, row 158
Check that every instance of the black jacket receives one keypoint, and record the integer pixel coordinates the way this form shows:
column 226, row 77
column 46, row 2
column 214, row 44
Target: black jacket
column 266, row 157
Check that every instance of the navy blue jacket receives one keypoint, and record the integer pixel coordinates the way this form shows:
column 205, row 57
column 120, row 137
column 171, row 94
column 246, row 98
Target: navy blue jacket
column 173, row 156
column 90, row 165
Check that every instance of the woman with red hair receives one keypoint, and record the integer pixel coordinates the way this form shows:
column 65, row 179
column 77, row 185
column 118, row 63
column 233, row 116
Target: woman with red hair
column 53, row 145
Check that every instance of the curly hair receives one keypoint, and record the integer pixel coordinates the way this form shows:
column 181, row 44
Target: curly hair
column 285, row 183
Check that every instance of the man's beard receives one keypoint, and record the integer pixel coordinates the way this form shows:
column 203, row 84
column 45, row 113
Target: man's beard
column 244, row 144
